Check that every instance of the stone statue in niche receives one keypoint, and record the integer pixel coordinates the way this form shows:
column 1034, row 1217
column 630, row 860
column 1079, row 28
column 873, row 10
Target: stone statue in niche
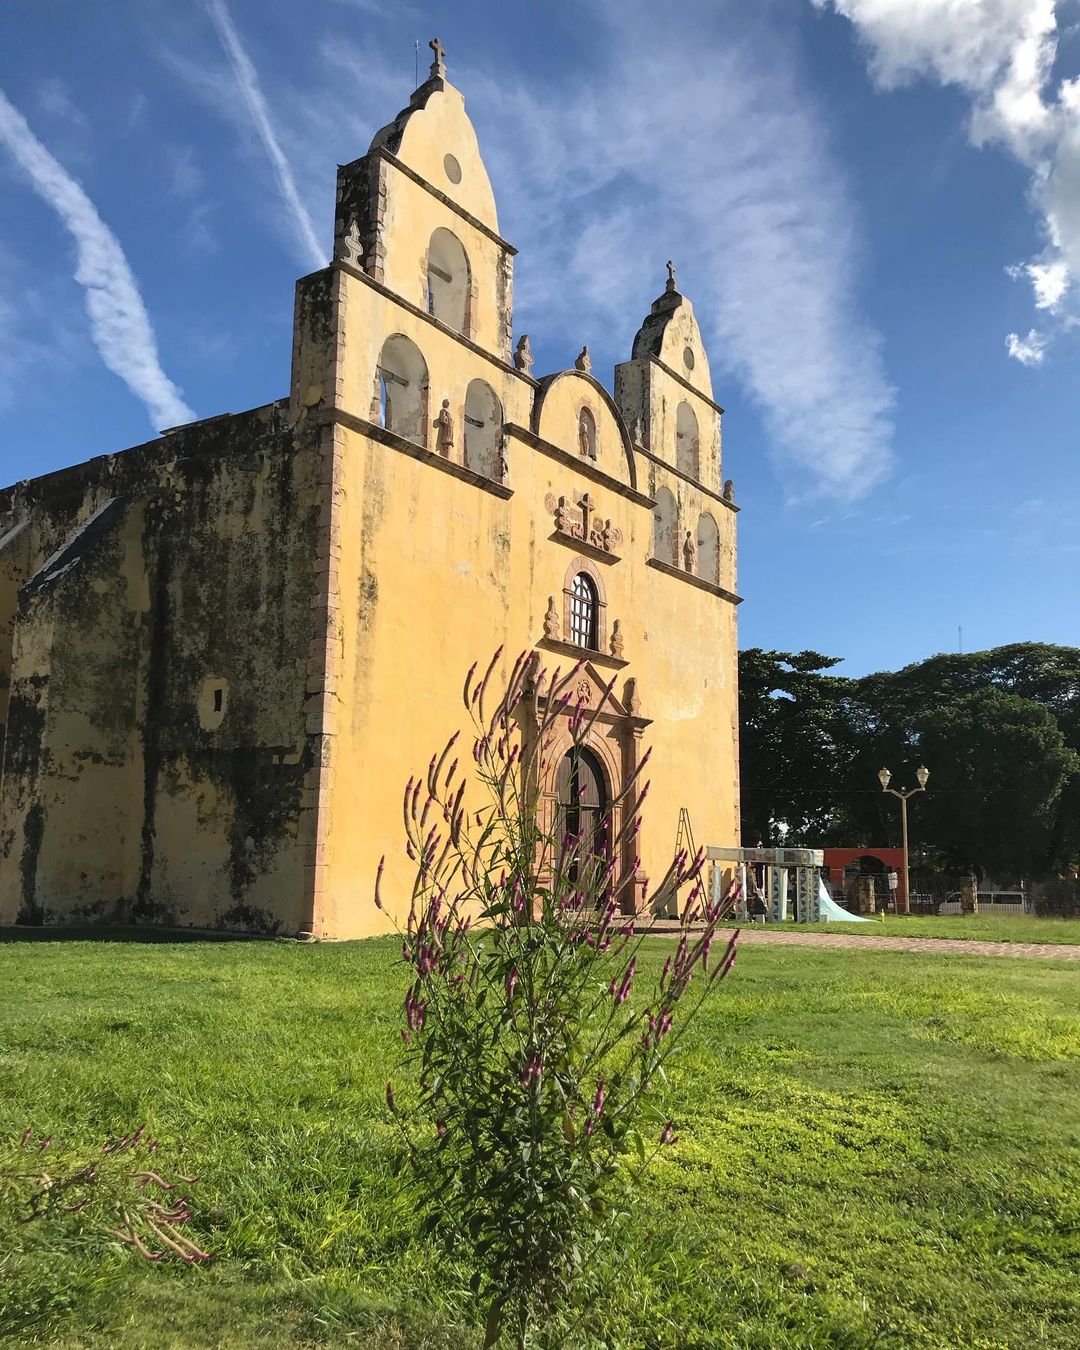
column 584, row 691
column 551, row 620
column 616, row 638
column 444, row 424
column 584, row 361
column 689, row 552
column 729, row 491
column 607, row 537
column 523, row 357
column 586, row 430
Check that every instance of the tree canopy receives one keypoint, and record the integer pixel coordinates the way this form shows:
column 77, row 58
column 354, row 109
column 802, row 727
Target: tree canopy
column 999, row 730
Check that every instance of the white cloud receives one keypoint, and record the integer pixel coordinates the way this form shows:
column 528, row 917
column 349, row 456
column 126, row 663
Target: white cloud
column 380, row 9
column 119, row 322
column 185, row 184
column 1049, row 281
column 54, row 99
column 248, row 83
column 186, row 178
column 1030, row 350
column 709, row 153
column 1001, row 53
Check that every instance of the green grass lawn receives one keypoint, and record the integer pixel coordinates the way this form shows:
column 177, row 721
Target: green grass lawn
column 984, row 927
column 876, row 1150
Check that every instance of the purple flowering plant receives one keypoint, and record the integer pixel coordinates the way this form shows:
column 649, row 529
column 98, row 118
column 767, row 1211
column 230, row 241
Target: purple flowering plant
column 122, row 1193
column 535, row 1046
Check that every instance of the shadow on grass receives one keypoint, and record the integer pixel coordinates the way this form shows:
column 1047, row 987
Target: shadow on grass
column 123, row 933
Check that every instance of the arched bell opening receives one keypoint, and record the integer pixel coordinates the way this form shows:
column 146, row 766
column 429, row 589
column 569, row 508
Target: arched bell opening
column 449, row 281
column 687, row 458
column 708, row 549
column 483, row 430
column 666, row 527
column 401, row 389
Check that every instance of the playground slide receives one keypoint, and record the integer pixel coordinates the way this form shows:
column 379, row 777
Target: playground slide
column 831, row 910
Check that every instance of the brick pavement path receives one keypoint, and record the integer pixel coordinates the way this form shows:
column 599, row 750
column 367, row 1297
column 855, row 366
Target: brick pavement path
column 759, row 936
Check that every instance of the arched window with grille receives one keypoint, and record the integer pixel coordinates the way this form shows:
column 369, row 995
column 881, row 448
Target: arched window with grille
column 584, row 612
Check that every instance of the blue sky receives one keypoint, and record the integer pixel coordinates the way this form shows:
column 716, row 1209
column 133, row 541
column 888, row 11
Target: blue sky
column 875, row 208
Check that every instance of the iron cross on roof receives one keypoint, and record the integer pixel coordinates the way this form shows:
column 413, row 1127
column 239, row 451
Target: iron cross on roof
column 438, row 66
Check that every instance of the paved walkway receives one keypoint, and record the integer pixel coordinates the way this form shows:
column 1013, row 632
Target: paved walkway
column 758, row 935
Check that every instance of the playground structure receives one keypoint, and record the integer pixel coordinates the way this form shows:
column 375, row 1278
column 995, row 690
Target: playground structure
column 735, row 881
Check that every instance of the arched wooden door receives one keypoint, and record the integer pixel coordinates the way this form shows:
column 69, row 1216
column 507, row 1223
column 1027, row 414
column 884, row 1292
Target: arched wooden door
column 583, row 810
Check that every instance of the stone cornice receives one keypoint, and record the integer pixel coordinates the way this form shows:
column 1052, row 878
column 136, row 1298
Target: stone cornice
column 687, row 478
column 681, row 379
column 339, row 417
column 582, row 653
column 340, row 265
column 693, row 580
column 381, row 152
column 579, row 465
column 583, row 546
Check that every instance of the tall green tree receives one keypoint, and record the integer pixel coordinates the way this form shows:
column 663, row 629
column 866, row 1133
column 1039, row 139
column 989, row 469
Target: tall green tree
column 813, row 742
column 1000, row 766
column 793, row 742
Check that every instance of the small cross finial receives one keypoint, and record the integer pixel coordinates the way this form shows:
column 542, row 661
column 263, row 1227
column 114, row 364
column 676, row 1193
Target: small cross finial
column 670, row 275
column 438, row 66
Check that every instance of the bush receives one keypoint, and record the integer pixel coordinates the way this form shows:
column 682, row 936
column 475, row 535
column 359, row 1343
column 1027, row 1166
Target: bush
column 536, row 1051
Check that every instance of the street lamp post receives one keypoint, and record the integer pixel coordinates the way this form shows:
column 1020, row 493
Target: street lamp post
column 884, row 777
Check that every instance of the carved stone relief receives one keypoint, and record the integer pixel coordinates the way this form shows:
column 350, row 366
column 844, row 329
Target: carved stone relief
column 523, row 357
column 581, row 521
column 551, row 620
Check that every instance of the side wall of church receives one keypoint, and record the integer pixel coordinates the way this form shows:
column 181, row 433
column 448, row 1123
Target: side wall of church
column 159, row 603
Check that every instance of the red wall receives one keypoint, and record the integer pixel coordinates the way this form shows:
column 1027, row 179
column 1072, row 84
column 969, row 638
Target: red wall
column 836, row 859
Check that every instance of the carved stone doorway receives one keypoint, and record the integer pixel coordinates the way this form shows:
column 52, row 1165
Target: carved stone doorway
column 583, row 799
column 581, row 788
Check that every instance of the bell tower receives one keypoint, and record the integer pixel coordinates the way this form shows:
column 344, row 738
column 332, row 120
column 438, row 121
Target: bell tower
column 417, row 214
column 664, row 391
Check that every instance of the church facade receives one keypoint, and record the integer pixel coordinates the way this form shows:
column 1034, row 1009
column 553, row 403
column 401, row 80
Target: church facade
column 223, row 652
